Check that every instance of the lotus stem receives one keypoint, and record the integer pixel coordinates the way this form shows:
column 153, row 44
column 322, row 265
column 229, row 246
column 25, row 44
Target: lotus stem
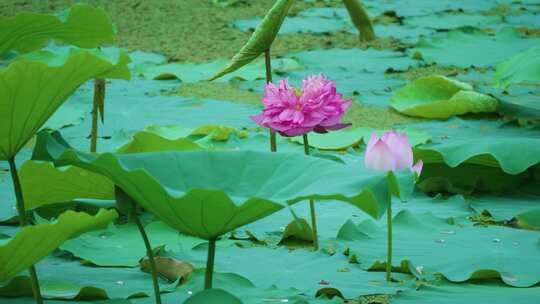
column 34, row 281
column 312, row 204
column 149, row 253
column 389, row 247
column 99, row 99
column 210, row 264
column 360, row 18
column 268, row 66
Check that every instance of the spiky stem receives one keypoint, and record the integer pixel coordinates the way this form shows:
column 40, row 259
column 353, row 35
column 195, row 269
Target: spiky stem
column 149, row 253
column 268, row 65
column 389, row 239
column 209, row 273
column 34, row 282
column 99, row 99
column 312, row 204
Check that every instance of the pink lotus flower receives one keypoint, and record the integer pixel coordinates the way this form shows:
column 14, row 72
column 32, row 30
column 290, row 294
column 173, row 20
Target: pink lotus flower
column 392, row 152
column 318, row 108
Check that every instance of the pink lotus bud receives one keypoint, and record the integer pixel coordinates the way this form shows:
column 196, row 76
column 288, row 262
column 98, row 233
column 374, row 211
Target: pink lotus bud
column 391, row 152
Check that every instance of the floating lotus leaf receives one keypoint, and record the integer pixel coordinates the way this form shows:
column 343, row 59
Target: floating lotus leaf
column 151, row 142
column 33, row 243
column 440, row 97
column 85, row 26
column 30, row 92
column 523, row 67
column 207, row 194
column 434, row 245
column 261, row 40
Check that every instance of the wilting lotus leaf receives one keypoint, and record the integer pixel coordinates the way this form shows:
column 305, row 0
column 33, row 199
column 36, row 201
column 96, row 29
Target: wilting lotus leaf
column 207, row 194
column 523, row 67
column 261, row 40
column 32, row 243
column 30, row 92
column 43, row 184
column 435, row 245
column 85, row 26
column 483, row 142
column 440, row 97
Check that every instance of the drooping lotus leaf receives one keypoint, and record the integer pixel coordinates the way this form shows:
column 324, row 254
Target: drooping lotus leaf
column 66, row 279
column 85, row 26
column 463, row 50
column 482, row 142
column 207, row 194
column 440, row 97
column 30, row 92
column 261, row 40
column 435, row 245
column 32, row 243
column 522, row 67
column 43, row 184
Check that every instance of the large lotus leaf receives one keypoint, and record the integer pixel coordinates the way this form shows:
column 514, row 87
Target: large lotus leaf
column 463, row 50
column 123, row 244
column 440, row 97
column 482, row 142
column 449, row 248
column 207, row 194
column 261, row 40
column 58, row 55
column 519, row 101
column 30, row 92
column 467, row 178
column 446, row 21
column 239, row 287
column 85, row 26
column 66, row 279
column 485, row 292
column 213, row 296
column 43, row 184
column 523, row 207
column 32, row 243
column 304, row 270
column 523, row 67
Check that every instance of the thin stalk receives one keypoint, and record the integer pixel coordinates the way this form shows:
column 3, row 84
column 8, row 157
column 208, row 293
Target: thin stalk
column 268, row 65
column 150, row 254
column 312, row 204
column 389, row 239
column 360, row 19
column 34, row 282
column 210, row 264
column 97, row 106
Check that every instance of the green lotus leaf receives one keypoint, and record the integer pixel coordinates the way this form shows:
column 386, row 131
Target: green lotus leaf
column 150, row 142
column 261, row 40
column 427, row 243
column 30, row 92
column 213, row 296
column 482, row 142
column 209, row 193
column 440, row 97
column 523, row 67
column 85, row 26
column 32, row 243
column 43, row 184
